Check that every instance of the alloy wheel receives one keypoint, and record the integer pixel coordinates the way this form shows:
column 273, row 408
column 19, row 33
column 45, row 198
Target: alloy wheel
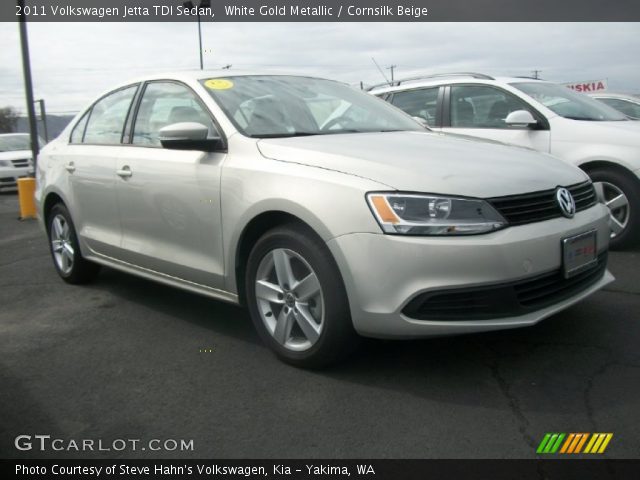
column 618, row 205
column 290, row 300
column 61, row 245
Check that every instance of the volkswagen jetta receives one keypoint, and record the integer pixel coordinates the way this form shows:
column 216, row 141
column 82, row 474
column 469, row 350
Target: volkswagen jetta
column 326, row 211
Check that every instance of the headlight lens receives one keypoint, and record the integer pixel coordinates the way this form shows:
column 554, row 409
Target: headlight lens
column 412, row 214
column 4, row 163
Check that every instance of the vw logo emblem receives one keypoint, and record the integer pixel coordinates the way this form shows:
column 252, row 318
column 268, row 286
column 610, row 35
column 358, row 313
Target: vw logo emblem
column 565, row 202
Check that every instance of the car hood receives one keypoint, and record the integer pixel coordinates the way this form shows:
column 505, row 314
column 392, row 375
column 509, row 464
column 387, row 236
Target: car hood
column 15, row 155
column 428, row 162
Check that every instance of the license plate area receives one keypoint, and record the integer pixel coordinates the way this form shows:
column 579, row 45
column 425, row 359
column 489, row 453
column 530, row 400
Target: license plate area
column 579, row 253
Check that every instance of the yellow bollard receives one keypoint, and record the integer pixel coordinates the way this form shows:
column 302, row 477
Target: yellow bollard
column 26, row 190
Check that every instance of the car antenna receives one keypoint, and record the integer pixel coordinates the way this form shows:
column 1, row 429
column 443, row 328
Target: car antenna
column 380, row 70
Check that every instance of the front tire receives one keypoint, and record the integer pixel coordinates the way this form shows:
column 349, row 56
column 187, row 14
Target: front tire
column 65, row 250
column 622, row 197
column 297, row 299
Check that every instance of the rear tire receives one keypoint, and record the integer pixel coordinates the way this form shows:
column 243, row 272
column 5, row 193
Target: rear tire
column 65, row 250
column 297, row 300
column 622, row 194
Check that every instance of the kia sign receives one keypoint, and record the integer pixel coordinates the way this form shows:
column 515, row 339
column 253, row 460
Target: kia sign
column 588, row 86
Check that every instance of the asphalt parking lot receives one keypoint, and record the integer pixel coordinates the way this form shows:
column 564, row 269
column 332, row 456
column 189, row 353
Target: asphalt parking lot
column 125, row 358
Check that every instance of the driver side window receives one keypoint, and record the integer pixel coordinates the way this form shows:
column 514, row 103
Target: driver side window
column 163, row 104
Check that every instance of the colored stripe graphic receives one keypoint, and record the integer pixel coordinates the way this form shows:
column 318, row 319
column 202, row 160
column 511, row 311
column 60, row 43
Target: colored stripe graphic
column 598, row 442
column 551, row 443
column 573, row 443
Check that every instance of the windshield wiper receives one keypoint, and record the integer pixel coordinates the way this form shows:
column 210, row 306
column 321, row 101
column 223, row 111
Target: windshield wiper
column 284, row 134
column 585, row 119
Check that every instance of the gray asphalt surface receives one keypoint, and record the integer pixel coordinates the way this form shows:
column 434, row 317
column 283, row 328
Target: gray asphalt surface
column 122, row 359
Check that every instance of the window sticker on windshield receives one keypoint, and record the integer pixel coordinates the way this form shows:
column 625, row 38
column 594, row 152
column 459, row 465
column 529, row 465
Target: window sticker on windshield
column 218, row 84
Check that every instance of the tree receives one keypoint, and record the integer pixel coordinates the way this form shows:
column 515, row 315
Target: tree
column 8, row 119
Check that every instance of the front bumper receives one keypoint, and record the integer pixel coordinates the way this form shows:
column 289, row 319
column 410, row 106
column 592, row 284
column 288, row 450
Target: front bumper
column 9, row 175
column 384, row 273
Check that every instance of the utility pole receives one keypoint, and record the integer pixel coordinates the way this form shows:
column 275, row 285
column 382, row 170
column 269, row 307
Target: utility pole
column 203, row 4
column 28, row 84
column 43, row 116
column 391, row 68
column 536, row 74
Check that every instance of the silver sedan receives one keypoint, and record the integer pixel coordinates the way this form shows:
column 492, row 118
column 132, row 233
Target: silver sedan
column 325, row 211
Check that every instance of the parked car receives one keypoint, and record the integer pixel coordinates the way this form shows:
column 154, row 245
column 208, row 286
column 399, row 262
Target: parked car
column 15, row 158
column 627, row 104
column 247, row 188
column 540, row 115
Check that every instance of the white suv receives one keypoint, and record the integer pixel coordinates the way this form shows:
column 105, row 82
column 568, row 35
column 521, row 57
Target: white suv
column 539, row 115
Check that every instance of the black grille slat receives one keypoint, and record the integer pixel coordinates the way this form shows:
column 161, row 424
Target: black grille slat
column 505, row 300
column 20, row 163
column 541, row 206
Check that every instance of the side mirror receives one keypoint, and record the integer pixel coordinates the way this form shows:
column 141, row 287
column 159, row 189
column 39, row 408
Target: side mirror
column 188, row 136
column 520, row 118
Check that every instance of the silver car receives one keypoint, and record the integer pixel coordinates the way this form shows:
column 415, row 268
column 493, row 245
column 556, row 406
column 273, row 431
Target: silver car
column 325, row 211
column 15, row 158
column 627, row 104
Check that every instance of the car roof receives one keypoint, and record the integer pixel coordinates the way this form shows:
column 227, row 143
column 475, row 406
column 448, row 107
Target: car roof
column 196, row 75
column 447, row 78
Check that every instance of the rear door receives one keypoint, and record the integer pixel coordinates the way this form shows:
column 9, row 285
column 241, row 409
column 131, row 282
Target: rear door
column 481, row 110
column 170, row 199
column 90, row 163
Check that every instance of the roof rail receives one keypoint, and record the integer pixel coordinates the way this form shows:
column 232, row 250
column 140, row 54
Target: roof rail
column 425, row 77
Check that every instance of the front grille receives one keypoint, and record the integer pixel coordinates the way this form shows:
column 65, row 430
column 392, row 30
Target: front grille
column 503, row 300
column 24, row 162
column 540, row 206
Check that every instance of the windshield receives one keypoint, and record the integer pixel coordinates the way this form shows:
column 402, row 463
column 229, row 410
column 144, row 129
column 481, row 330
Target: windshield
column 285, row 106
column 13, row 143
column 569, row 104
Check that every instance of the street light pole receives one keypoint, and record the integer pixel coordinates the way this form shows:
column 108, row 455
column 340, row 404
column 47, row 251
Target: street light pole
column 28, row 84
column 203, row 4
column 200, row 42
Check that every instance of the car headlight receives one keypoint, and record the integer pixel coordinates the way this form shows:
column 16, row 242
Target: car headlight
column 4, row 163
column 416, row 214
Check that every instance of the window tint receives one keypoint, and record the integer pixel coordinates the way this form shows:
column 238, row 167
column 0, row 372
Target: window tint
column 106, row 121
column 163, row 104
column 421, row 103
column 630, row 109
column 482, row 107
column 78, row 130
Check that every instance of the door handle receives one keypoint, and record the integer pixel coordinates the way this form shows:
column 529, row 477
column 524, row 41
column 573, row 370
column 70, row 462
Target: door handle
column 70, row 167
column 124, row 172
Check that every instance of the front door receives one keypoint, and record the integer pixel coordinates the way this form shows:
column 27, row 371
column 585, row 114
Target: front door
column 170, row 199
column 481, row 110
